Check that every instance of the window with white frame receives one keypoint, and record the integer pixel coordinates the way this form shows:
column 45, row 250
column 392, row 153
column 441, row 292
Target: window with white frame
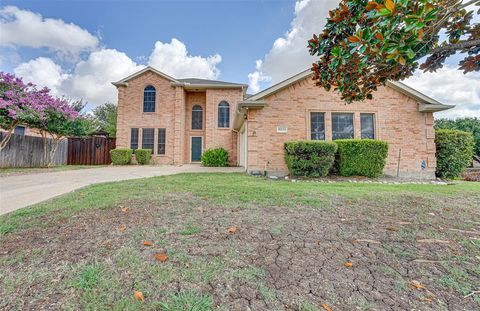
column 342, row 126
column 317, row 126
column 367, row 124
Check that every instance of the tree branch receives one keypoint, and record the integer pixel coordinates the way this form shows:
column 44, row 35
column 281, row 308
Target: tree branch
column 457, row 46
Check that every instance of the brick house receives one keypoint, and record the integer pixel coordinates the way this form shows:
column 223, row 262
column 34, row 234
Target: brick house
column 179, row 118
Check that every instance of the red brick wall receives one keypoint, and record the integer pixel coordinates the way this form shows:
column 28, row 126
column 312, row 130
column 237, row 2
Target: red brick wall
column 130, row 113
column 397, row 120
column 222, row 137
column 173, row 111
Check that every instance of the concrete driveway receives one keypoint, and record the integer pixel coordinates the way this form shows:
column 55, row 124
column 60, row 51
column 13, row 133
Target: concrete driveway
column 23, row 190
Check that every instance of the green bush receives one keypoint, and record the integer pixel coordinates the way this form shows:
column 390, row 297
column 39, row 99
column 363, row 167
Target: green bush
column 462, row 124
column 121, row 156
column 454, row 152
column 361, row 157
column 309, row 158
column 217, row 157
column 143, row 156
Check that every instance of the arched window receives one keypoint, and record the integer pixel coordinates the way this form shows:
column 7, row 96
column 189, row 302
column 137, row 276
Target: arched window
column 223, row 114
column 149, row 99
column 197, row 117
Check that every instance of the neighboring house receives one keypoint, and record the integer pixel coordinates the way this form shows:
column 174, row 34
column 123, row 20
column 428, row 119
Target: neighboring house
column 179, row 118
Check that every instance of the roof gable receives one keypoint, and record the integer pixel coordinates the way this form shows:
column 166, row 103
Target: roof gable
column 429, row 104
column 124, row 81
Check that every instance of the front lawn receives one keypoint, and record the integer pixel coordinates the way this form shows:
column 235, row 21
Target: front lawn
column 233, row 242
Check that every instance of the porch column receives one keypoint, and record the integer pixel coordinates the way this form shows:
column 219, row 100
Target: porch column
column 179, row 131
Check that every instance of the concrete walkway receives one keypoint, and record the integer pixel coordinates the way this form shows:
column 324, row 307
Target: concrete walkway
column 23, row 190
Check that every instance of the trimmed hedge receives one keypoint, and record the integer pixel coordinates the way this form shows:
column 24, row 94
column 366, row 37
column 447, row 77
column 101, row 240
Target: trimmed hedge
column 143, row 156
column 361, row 157
column 121, row 156
column 454, row 152
column 309, row 158
column 217, row 157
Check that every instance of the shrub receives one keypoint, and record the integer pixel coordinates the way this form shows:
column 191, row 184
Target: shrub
column 143, row 156
column 454, row 152
column 309, row 158
column 121, row 156
column 361, row 157
column 217, row 157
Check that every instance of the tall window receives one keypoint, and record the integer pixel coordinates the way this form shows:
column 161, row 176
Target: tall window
column 147, row 138
column 223, row 114
column 134, row 138
column 197, row 117
column 367, row 121
column 342, row 125
column 317, row 125
column 161, row 141
column 149, row 99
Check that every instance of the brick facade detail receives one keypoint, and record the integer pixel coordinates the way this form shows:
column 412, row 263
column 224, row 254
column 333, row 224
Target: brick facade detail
column 397, row 119
column 173, row 111
column 410, row 133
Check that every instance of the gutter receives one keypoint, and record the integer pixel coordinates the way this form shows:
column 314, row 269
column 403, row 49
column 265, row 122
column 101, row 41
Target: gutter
column 208, row 86
column 241, row 112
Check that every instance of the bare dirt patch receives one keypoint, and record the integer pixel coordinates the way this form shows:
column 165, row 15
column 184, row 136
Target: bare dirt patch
column 400, row 253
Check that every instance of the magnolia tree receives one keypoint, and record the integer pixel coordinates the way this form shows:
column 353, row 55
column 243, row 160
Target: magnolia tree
column 22, row 103
column 366, row 43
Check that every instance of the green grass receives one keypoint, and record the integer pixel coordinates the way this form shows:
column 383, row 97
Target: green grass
column 187, row 215
column 223, row 189
column 190, row 230
column 188, row 300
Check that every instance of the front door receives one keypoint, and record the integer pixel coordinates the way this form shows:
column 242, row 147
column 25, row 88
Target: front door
column 196, row 149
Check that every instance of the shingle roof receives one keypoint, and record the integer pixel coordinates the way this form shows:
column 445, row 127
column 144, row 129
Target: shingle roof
column 207, row 82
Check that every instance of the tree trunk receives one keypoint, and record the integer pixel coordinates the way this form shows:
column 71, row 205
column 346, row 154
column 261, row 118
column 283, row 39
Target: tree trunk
column 8, row 135
column 44, row 137
column 55, row 142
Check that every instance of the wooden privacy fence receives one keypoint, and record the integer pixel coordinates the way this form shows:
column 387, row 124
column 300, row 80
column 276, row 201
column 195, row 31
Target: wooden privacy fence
column 90, row 151
column 28, row 151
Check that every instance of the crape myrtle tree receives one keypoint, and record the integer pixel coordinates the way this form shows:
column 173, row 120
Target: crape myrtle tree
column 366, row 43
column 58, row 118
column 22, row 103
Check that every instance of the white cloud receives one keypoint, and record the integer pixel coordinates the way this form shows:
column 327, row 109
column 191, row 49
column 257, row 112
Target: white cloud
column 90, row 80
column 29, row 29
column 173, row 59
column 256, row 77
column 450, row 86
column 42, row 70
column 289, row 54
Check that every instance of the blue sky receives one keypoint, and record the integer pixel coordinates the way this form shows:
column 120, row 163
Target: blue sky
column 240, row 31
column 77, row 48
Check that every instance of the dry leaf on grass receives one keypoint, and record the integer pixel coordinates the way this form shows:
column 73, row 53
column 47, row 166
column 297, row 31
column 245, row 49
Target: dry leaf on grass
column 138, row 295
column 162, row 257
column 416, row 285
column 125, row 209
column 326, row 307
column 232, row 230
column 391, row 229
column 122, row 227
column 348, row 264
column 148, row 243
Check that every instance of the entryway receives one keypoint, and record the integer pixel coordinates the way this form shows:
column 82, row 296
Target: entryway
column 196, row 147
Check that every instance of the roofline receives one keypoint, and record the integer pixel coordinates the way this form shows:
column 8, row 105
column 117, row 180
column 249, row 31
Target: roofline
column 281, row 85
column 124, row 81
column 399, row 86
column 251, row 104
column 187, row 85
